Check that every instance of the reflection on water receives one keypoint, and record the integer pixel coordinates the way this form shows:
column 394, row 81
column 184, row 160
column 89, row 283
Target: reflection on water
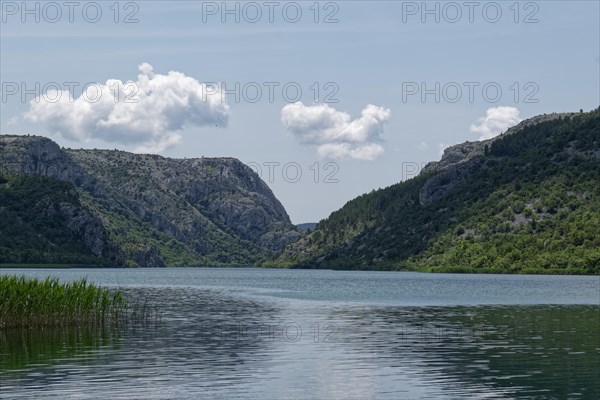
column 222, row 344
column 511, row 351
column 185, row 348
column 23, row 348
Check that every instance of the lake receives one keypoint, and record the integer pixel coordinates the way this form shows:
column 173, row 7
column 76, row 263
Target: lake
column 316, row 334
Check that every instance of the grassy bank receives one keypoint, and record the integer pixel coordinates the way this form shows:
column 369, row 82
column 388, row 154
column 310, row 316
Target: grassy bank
column 26, row 302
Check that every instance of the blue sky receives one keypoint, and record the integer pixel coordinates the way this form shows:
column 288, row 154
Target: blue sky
column 377, row 53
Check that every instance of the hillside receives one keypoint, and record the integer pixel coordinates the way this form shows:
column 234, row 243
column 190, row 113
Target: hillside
column 526, row 201
column 307, row 226
column 110, row 207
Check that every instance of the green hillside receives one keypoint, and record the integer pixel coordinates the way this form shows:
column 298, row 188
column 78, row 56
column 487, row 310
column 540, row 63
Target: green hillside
column 114, row 208
column 529, row 203
column 43, row 221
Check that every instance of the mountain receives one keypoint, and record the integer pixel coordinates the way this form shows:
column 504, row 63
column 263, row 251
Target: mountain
column 109, row 207
column 525, row 201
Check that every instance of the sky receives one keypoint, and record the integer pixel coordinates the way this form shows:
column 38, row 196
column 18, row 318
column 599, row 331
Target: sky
column 325, row 100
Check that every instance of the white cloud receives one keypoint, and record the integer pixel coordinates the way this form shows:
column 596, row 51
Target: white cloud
column 12, row 121
column 334, row 132
column 496, row 121
column 338, row 151
column 150, row 118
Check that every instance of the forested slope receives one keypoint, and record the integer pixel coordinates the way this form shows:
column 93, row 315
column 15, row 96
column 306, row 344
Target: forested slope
column 530, row 202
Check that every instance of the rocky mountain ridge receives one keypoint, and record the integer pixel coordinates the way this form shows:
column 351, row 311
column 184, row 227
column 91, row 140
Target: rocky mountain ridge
column 157, row 211
column 459, row 161
column 463, row 152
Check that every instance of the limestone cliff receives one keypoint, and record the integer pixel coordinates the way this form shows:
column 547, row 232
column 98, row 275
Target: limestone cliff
column 158, row 211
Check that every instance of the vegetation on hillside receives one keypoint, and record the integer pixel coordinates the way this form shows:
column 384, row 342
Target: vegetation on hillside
column 113, row 208
column 531, row 203
column 35, row 213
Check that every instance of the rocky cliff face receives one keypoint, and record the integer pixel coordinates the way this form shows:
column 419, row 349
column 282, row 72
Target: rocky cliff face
column 459, row 161
column 177, row 194
column 463, row 152
column 162, row 211
column 36, row 155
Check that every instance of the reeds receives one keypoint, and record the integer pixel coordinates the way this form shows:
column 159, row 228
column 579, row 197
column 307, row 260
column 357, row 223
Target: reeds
column 32, row 303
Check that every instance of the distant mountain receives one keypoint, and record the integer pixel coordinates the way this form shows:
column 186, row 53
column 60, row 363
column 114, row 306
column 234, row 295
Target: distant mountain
column 308, row 226
column 110, row 207
column 526, row 201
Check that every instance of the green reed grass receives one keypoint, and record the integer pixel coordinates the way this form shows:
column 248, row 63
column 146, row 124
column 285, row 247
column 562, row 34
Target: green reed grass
column 26, row 302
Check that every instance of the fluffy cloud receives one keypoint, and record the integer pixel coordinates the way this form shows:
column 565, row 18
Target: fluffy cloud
column 147, row 113
column 334, row 132
column 336, row 151
column 496, row 121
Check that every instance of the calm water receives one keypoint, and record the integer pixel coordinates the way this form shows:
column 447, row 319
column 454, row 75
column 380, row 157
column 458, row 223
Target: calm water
column 286, row 334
